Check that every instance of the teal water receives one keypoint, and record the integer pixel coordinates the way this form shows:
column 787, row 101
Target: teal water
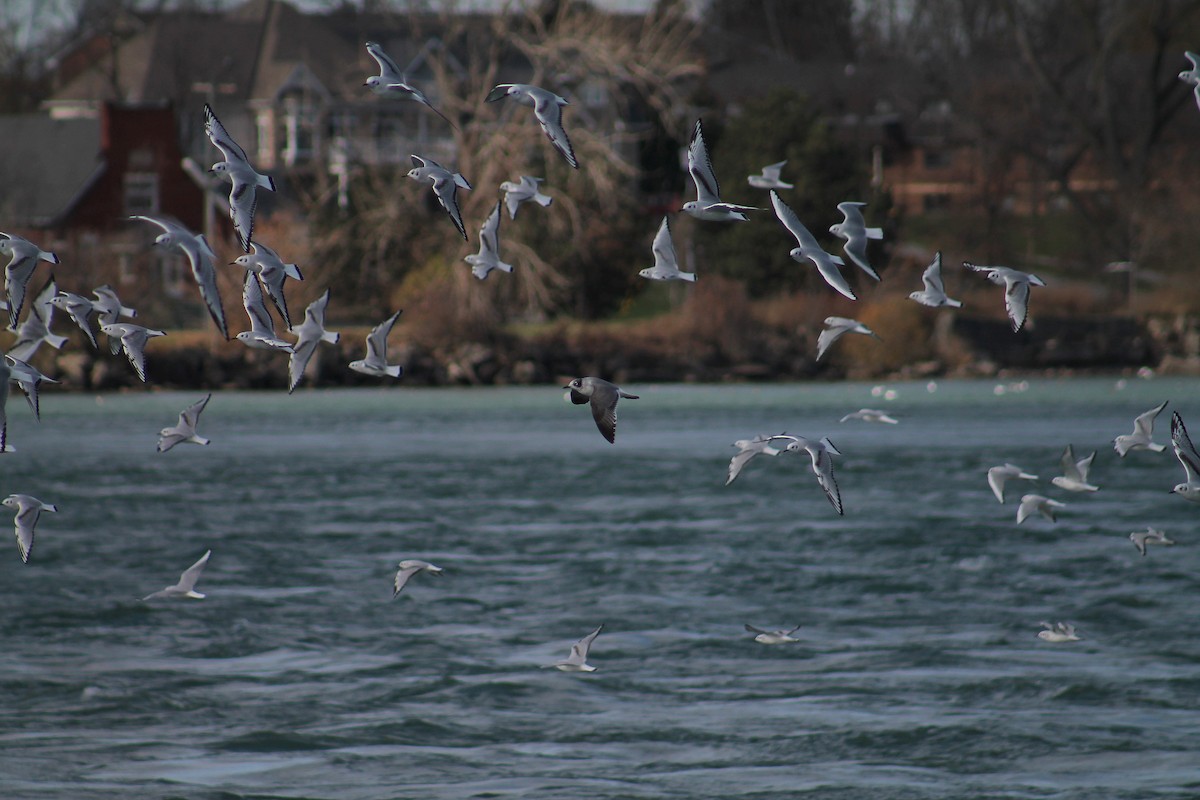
column 918, row 674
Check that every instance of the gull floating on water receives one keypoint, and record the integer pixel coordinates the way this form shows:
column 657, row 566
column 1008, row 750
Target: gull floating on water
column 185, row 429
column 272, row 272
column 603, row 397
column 853, row 228
column 409, row 567
column 934, row 293
column 708, row 204
column 772, row 637
column 523, row 192
column 488, row 257
column 200, row 257
column 186, row 587
column 244, row 180
column 547, row 108
column 822, row 464
column 666, row 265
column 1016, row 289
column 391, row 82
column 835, row 328
column 1192, row 75
column 998, row 476
column 308, row 334
column 808, row 249
column 1149, row 536
column 445, row 187
column 870, row 415
column 577, row 661
column 35, row 329
column 28, row 509
column 375, row 362
column 261, row 335
column 23, row 257
column 748, row 449
column 133, row 340
column 1043, row 505
column 769, row 179
column 1057, row 632
column 1143, row 431
column 1188, row 457
column 1075, row 472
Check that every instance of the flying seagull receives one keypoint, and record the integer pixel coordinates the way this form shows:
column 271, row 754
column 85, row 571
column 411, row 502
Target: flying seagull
column 445, row 187
column 603, row 397
column 1043, row 505
column 835, row 327
column 200, row 257
column 748, row 449
column 547, row 107
column 391, row 82
column 998, row 476
column 772, row 637
column 1075, row 472
column 410, row 567
column 708, row 204
column 185, row 429
column 934, row 293
column 666, row 265
column 272, row 272
column 853, row 228
column 186, row 587
column 769, row 179
column 1192, row 75
column 822, row 464
column 1016, row 289
column 808, row 249
column 488, row 257
column 308, row 334
column 261, row 335
column 1143, row 430
column 1149, row 536
column 1057, row 632
column 23, row 256
column 1188, row 457
column 28, row 509
column 577, row 661
column 133, row 340
column 517, row 193
column 375, row 362
column 244, row 180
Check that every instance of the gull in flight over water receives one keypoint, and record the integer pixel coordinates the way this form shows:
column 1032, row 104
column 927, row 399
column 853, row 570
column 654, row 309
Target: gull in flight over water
column 807, row 248
column 133, row 340
column 375, row 362
column 934, row 293
column 835, row 327
column 523, row 192
column 1016, row 289
column 272, row 272
column 853, row 228
column 1075, row 472
column 708, row 204
column 748, row 449
column 186, row 587
column 1043, row 505
column 547, row 108
column 1149, row 536
column 28, row 509
column 488, row 257
column 409, row 567
column 35, row 329
column 445, row 187
column 30, row 379
column 822, row 464
column 1143, row 431
column 1188, row 457
column 391, row 82
column 244, row 180
column 185, row 429
column 261, row 335
column 769, row 179
column 80, row 309
column 1057, row 632
column 308, row 334
column 23, row 256
column 603, row 397
column 666, row 265
column 200, row 257
column 998, row 476
column 109, row 310
column 577, row 661
column 772, row 637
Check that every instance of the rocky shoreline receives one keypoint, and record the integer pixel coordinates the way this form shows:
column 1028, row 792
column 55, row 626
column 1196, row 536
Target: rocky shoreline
column 958, row 346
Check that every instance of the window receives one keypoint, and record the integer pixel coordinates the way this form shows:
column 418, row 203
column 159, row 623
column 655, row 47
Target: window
column 936, row 159
column 141, row 193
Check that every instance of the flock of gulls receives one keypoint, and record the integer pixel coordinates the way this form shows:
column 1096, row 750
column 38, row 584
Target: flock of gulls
column 266, row 273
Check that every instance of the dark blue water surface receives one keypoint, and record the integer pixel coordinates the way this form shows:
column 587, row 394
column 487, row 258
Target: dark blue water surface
column 918, row 673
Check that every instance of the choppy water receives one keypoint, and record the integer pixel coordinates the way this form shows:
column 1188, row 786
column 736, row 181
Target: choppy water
column 919, row 674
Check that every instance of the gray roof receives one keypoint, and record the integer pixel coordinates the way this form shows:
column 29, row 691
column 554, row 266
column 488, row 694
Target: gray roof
column 45, row 165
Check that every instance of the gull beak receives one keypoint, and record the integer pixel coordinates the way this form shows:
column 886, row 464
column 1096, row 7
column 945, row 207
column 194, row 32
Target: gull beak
column 1170, row 491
